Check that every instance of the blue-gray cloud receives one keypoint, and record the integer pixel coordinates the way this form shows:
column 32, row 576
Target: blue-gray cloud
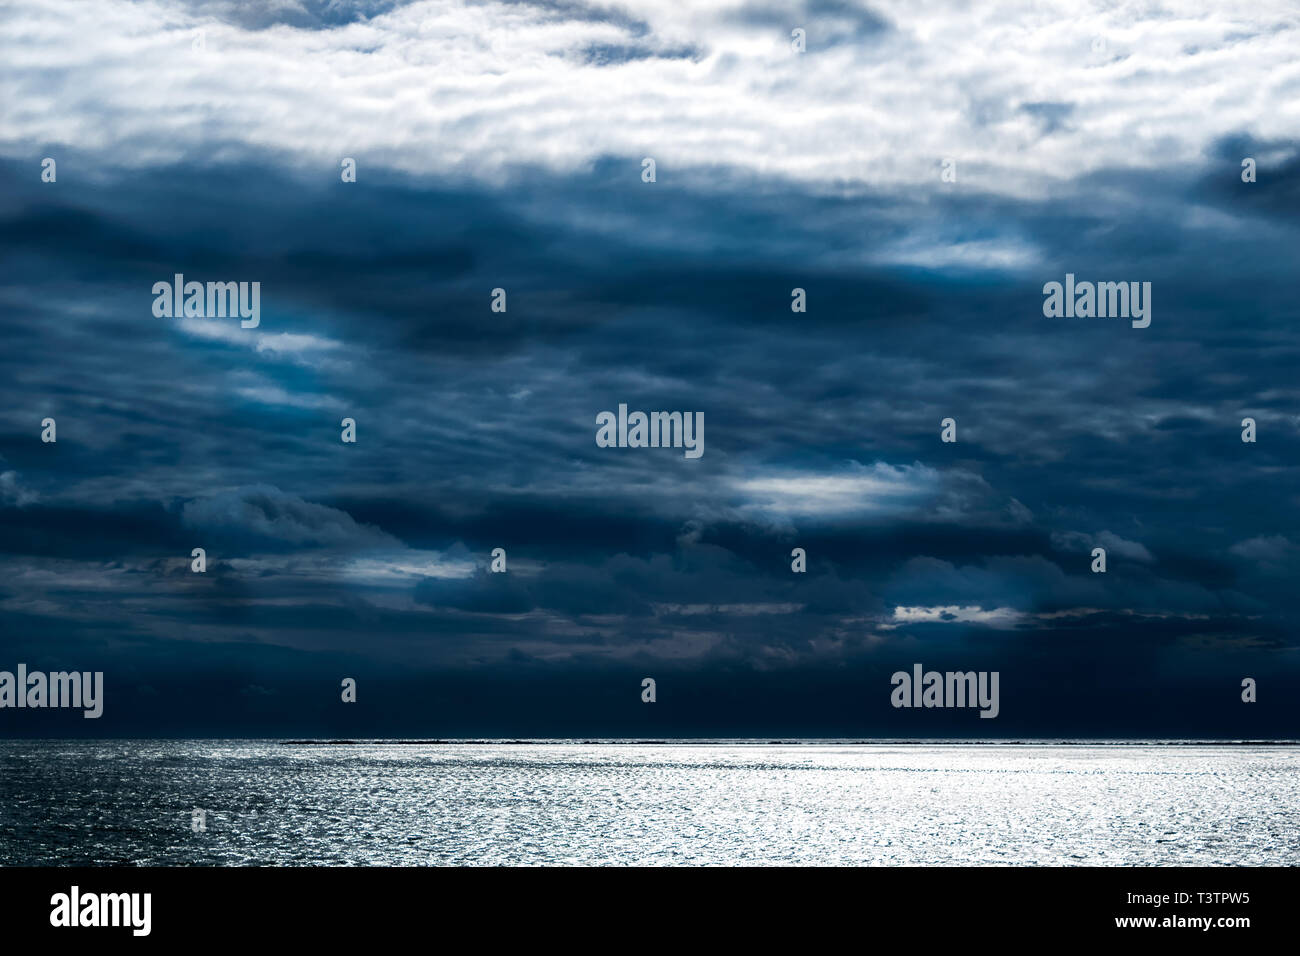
column 476, row 428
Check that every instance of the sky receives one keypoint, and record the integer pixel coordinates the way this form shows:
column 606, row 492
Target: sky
column 921, row 170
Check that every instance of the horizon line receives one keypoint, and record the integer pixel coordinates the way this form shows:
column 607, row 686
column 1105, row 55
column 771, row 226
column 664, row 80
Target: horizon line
column 734, row 741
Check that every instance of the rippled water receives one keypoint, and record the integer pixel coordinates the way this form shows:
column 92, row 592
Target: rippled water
column 131, row 802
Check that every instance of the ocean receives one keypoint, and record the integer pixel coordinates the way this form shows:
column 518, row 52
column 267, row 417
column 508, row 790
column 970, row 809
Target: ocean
column 244, row 802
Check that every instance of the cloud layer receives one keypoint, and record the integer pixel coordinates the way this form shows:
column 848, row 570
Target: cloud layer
column 500, row 146
column 1027, row 96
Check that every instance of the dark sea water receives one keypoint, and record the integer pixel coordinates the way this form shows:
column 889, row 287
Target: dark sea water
column 569, row 802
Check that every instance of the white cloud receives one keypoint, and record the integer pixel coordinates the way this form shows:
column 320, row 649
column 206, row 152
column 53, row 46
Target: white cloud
column 313, row 351
column 879, row 488
column 450, row 89
column 268, row 393
column 1000, row 617
column 403, row 568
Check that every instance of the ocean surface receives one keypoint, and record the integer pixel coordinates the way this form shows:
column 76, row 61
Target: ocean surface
column 667, row 803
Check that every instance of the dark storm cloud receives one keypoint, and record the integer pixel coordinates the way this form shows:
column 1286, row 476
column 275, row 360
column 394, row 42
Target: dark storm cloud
column 268, row 516
column 476, row 430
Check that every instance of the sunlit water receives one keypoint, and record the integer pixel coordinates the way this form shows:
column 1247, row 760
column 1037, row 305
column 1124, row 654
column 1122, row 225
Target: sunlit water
column 124, row 802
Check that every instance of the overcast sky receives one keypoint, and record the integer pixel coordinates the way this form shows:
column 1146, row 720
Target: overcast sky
column 501, row 145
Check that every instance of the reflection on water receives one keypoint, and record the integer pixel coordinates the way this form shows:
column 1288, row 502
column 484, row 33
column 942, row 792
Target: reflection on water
column 131, row 802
